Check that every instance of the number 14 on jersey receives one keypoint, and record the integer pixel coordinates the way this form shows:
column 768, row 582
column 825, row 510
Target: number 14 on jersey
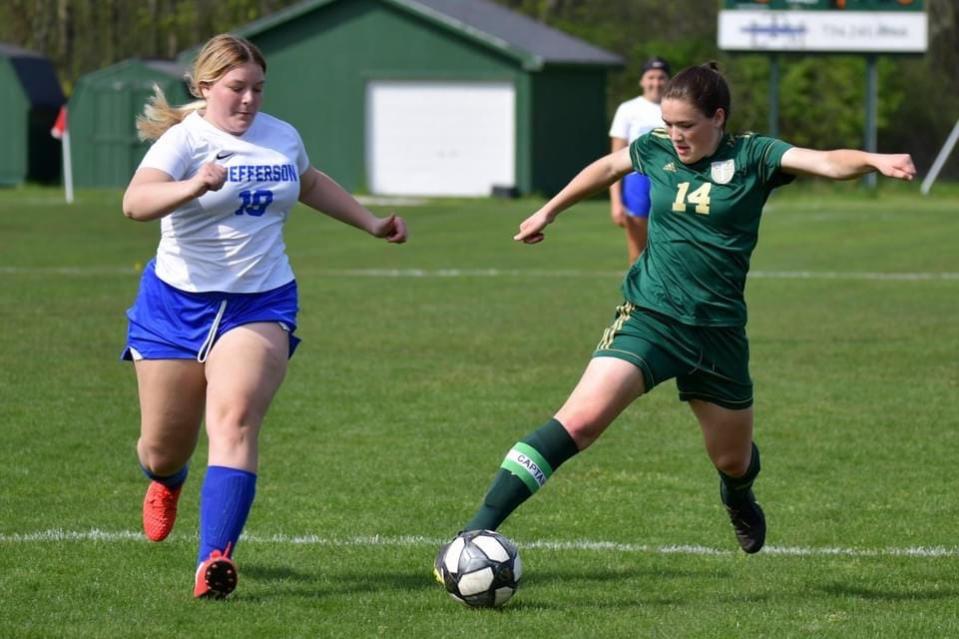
column 699, row 197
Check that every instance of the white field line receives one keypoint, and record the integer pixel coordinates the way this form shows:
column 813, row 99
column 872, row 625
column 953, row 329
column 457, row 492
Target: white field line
column 494, row 272
column 853, row 275
column 103, row 536
column 81, row 271
column 376, row 200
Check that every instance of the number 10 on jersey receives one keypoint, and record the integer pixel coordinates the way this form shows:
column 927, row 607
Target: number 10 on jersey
column 699, row 197
column 254, row 202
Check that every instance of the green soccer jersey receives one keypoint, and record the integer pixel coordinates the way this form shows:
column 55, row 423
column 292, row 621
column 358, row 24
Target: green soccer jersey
column 703, row 226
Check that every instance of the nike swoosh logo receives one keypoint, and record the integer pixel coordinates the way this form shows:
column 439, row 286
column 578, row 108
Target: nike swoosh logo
column 222, row 155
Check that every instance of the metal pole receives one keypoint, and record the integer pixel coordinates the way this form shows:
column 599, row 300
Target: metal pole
column 872, row 83
column 774, row 95
column 940, row 159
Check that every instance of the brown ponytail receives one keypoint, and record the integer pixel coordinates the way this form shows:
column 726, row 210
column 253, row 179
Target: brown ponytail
column 702, row 86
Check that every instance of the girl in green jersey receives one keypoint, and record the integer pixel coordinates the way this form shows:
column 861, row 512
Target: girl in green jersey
column 684, row 315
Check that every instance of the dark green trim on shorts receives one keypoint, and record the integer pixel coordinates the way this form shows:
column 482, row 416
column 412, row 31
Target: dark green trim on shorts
column 719, row 401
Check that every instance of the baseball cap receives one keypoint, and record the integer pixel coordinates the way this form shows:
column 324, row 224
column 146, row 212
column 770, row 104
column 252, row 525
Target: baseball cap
column 656, row 63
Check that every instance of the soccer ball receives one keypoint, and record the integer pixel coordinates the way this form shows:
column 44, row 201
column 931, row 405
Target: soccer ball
column 480, row 568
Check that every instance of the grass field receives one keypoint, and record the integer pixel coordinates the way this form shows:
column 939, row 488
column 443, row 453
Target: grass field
column 422, row 364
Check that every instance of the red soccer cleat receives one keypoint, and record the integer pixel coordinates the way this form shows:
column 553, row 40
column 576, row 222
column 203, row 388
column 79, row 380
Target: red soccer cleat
column 216, row 577
column 159, row 510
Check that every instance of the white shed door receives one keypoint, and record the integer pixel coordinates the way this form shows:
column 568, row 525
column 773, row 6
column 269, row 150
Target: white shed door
column 440, row 138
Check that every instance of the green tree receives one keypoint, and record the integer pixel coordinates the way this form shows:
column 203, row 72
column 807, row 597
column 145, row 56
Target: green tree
column 81, row 36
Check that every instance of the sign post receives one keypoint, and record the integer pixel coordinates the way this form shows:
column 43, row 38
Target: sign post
column 865, row 27
column 872, row 107
column 774, row 95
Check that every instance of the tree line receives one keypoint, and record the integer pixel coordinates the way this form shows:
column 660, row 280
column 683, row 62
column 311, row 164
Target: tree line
column 821, row 97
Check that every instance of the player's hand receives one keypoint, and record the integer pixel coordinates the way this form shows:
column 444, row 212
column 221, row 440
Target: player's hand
column 897, row 165
column 209, row 177
column 531, row 230
column 392, row 228
column 618, row 213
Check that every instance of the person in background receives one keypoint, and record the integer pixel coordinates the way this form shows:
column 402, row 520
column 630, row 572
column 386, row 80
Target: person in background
column 629, row 197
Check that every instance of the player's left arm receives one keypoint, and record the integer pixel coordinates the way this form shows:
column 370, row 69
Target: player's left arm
column 319, row 191
column 845, row 164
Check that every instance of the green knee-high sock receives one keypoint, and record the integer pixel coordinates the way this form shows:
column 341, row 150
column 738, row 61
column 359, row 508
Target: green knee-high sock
column 527, row 466
column 736, row 490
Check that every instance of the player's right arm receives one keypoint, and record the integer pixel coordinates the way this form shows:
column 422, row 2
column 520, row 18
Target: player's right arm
column 152, row 193
column 597, row 176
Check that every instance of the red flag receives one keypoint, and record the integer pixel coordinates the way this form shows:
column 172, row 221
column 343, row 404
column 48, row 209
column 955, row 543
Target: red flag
column 60, row 126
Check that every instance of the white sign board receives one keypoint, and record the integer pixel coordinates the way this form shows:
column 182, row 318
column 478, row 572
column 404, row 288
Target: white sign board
column 824, row 31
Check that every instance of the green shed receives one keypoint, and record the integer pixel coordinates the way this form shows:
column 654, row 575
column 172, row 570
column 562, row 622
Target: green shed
column 103, row 111
column 30, row 98
column 434, row 97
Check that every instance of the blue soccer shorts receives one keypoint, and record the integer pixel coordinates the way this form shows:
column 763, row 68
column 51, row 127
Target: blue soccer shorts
column 635, row 195
column 167, row 323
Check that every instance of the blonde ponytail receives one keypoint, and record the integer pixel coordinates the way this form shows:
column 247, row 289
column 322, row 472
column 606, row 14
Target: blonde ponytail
column 159, row 115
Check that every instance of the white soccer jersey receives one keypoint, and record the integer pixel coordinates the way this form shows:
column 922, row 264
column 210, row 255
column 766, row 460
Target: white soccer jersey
column 229, row 240
column 634, row 118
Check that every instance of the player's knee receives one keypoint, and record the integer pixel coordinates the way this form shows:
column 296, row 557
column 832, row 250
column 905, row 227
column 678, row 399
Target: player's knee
column 161, row 460
column 232, row 435
column 232, row 416
column 584, row 425
column 731, row 464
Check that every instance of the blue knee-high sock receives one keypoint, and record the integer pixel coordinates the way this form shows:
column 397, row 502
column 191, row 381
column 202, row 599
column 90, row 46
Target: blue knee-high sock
column 225, row 501
column 172, row 482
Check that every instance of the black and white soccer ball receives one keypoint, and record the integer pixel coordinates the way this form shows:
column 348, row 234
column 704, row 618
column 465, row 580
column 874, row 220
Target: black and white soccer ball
column 481, row 568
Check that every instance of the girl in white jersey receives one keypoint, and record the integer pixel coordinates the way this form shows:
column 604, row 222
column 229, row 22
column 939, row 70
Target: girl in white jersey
column 212, row 327
column 629, row 198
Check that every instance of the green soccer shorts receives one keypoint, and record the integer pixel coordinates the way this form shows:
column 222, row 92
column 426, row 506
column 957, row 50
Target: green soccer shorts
column 710, row 363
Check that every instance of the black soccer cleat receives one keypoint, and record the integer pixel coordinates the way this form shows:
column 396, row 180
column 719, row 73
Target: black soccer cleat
column 748, row 522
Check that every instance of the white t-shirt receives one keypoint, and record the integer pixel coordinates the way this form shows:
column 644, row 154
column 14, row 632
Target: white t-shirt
column 634, row 118
column 229, row 240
